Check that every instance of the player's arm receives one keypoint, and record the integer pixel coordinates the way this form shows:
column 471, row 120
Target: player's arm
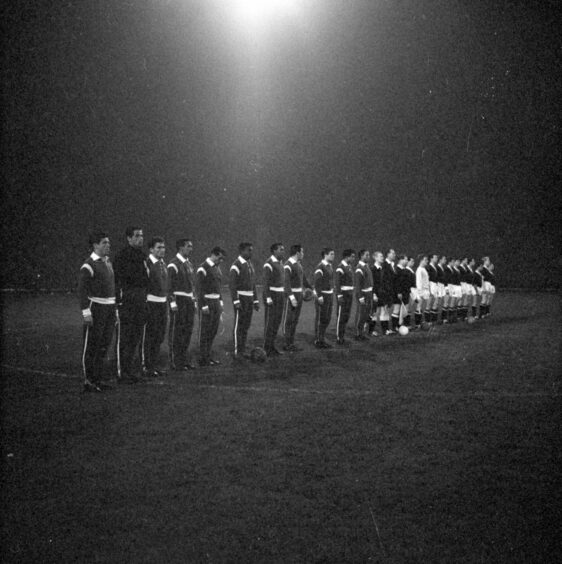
column 267, row 276
column 234, row 276
column 200, row 279
column 84, row 278
column 172, row 285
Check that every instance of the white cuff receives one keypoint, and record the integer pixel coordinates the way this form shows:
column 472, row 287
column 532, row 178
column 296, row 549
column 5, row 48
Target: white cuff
column 87, row 312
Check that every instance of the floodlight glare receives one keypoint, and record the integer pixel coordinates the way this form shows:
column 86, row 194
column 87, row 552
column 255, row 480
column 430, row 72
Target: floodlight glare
column 257, row 11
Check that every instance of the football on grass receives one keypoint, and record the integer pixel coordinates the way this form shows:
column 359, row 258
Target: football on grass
column 258, row 355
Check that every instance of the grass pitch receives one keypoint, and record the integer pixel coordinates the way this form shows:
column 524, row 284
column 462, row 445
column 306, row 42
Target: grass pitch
column 435, row 447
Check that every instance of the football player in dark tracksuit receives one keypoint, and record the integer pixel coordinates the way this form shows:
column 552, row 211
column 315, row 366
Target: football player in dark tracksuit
column 363, row 293
column 96, row 292
column 244, row 297
column 295, row 281
column 182, row 305
column 344, row 292
column 210, row 304
column 157, row 308
column 324, row 301
column 131, row 280
column 273, row 297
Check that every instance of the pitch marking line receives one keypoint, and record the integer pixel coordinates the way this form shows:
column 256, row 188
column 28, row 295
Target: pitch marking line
column 301, row 391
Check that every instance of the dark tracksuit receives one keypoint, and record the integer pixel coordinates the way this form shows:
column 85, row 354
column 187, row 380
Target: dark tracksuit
column 344, row 294
column 157, row 312
column 181, row 285
column 295, row 281
column 131, row 279
column 244, row 297
column 208, row 284
column 96, row 292
column 364, row 289
column 274, row 289
column 323, row 286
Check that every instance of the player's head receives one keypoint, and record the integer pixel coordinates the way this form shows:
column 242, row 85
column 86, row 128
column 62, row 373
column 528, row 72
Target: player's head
column 391, row 255
column 184, row 246
column 422, row 260
column 486, row 261
column 434, row 258
column 402, row 260
column 410, row 262
column 277, row 250
column 471, row 262
column 328, row 254
column 245, row 249
column 364, row 255
column 157, row 247
column 297, row 251
column 217, row 254
column 442, row 260
column 99, row 242
column 348, row 255
column 379, row 257
column 135, row 237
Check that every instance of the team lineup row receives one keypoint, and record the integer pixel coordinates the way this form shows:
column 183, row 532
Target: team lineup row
column 139, row 295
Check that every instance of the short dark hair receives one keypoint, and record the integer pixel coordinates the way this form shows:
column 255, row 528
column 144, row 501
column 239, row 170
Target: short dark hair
column 400, row 257
column 182, row 242
column 421, row 257
column 296, row 249
column 347, row 253
column 96, row 236
column 244, row 245
column 155, row 240
column 217, row 251
column 388, row 251
column 130, row 231
column 274, row 247
column 362, row 252
column 326, row 251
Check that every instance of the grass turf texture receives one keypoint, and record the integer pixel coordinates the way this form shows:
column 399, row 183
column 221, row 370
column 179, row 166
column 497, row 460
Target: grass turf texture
column 441, row 446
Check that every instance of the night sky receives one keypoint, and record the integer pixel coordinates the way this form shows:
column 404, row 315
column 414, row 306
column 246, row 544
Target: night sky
column 421, row 125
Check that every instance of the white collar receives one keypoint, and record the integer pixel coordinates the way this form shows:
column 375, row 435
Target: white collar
column 389, row 262
column 409, row 268
column 153, row 259
column 273, row 259
column 210, row 262
column 95, row 256
column 379, row 266
column 344, row 262
column 361, row 263
column 400, row 267
column 324, row 262
column 293, row 260
column 242, row 260
column 180, row 257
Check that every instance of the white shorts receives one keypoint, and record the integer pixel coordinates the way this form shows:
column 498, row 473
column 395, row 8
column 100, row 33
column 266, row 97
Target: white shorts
column 487, row 287
column 492, row 289
column 471, row 290
column 414, row 295
column 455, row 291
column 464, row 287
column 434, row 289
column 479, row 290
column 423, row 294
column 441, row 289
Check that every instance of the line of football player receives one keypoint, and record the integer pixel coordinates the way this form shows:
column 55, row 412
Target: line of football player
column 148, row 297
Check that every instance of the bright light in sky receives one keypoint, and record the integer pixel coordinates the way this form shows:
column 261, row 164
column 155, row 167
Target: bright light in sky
column 256, row 12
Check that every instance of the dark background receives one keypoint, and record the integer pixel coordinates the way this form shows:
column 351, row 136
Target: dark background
column 425, row 125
